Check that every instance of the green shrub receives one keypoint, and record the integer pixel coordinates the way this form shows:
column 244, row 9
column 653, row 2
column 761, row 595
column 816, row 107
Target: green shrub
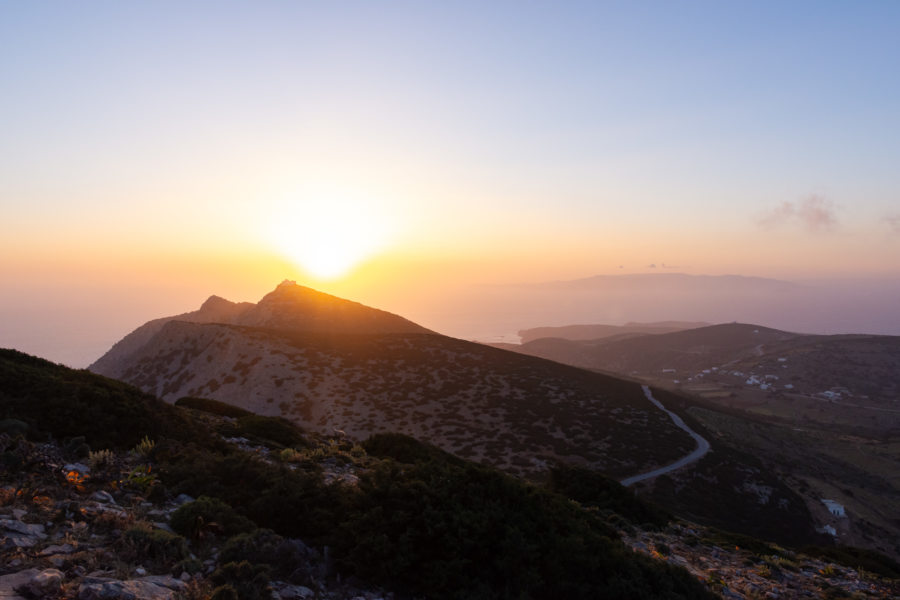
column 189, row 566
column 249, row 582
column 224, row 592
column 405, row 449
column 441, row 530
column 100, row 458
column 213, row 407
column 271, row 429
column 207, row 516
column 591, row 488
column 289, row 455
column 156, row 548
column 263, row 547
column 144, row 447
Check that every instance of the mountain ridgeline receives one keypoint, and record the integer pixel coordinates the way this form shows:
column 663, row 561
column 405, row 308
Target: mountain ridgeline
column 329, row 364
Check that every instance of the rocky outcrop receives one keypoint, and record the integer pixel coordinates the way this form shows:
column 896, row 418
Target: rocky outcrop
column 741, row 573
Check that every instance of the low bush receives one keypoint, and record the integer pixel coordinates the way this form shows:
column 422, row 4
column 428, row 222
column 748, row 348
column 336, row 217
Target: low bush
column 405, row 449
column 271, row 429
column 264, row 547
column 246, row 581
column 206, row 517
column 213, row 407
column 590, row 488
column 155, row 548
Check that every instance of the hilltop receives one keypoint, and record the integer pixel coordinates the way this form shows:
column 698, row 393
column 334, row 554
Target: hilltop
column 289, row 307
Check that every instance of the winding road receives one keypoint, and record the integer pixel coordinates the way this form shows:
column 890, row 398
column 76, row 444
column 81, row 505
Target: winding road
column 697, row 454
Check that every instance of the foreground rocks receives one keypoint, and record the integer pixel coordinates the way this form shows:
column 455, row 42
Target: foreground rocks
column 61, row 537
column 736, row 572
column 62, row 526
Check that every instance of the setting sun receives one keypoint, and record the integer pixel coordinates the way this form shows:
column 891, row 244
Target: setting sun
column 327, row 232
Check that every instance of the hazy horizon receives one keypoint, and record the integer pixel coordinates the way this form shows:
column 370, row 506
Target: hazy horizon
column 411, row 157
column 58, row 330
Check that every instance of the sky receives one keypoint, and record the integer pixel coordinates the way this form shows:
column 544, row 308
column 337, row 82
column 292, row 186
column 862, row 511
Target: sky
column 152, row 154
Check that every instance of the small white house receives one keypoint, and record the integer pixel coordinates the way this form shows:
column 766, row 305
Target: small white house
column 834, row 508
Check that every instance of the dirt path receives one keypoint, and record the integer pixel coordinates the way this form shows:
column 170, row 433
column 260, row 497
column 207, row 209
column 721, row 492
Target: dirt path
column 697, row 454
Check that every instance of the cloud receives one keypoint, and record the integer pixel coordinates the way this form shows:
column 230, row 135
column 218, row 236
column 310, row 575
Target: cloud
column 893, row 222
column 814, row 214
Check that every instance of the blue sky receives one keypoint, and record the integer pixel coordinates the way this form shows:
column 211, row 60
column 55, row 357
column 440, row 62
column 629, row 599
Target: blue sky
column 162, row 142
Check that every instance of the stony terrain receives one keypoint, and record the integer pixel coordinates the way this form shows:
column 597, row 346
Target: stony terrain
column 739, row 572
column 62, row 527
column 88, row 531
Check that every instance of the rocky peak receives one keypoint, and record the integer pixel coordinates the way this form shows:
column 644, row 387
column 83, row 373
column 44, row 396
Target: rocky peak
column 299, row 308
column 215, row 303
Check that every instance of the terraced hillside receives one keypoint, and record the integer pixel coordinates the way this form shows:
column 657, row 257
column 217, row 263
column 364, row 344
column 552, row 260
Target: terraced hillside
column 516, row 412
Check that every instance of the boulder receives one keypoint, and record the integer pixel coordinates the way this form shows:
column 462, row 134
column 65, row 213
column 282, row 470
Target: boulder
column 16, row 534
column 103, row 497
column 293, row 592
column 58, row 549
column 10, row 583
column 83, row 469
column 145, row 588
column 46, row 583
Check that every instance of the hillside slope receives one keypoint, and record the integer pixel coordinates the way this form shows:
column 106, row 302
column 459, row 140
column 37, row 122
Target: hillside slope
column 516, row 412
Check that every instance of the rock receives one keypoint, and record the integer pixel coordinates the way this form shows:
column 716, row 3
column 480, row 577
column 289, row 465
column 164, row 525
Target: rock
column 84, row 470
column 183, row 499
column 167, row 581
column 294, row 592
column 145, row 588
column 46, row 583
column 9, row 583
column 140, row 571
column 58, row 560
column 104, row 497
column 17, row 534
column 58, row 549
column 163, row 526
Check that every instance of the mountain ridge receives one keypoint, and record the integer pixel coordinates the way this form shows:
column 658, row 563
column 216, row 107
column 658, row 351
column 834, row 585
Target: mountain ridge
column 346, row 372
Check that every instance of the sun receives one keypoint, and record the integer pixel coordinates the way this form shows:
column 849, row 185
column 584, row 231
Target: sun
column 327, row 233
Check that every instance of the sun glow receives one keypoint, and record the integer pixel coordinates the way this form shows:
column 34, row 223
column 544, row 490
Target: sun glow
column 328, row 233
